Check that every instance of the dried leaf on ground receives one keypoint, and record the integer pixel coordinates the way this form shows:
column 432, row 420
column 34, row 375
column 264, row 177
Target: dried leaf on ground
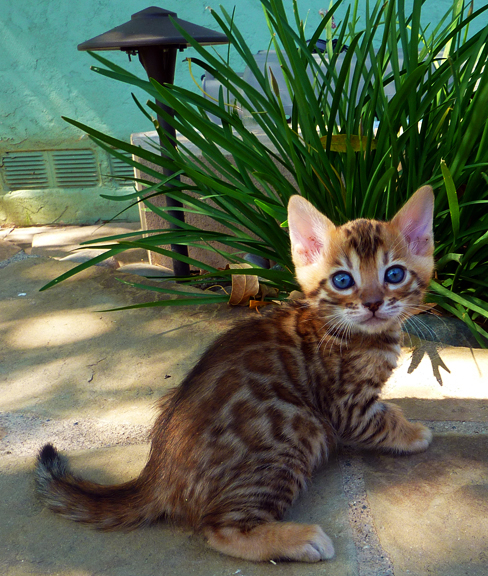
column 244, row 286
column 267, row 291
column 295, row 295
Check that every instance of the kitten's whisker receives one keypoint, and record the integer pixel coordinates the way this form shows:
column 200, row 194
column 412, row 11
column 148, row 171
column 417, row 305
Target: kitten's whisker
column 416, row 319
column 334, row 326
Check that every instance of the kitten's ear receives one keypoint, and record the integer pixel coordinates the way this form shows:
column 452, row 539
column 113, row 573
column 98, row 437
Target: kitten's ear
column 415, row 221
column 309, row 231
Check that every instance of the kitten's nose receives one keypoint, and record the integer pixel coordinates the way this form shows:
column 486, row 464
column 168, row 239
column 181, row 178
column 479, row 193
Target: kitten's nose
column 373, row 306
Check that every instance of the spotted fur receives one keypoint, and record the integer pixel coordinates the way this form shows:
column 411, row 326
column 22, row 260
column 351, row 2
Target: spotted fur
column 238, row 440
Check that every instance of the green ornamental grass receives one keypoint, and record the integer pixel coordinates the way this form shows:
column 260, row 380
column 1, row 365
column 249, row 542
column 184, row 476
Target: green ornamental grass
column 352, row 148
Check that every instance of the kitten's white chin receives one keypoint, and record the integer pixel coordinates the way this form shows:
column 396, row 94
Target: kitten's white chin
column 374, row 324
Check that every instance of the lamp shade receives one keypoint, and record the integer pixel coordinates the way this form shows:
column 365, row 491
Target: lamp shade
column 152, row 27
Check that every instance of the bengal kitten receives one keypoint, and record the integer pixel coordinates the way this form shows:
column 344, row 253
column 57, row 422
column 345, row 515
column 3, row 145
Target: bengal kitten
column 239, row 438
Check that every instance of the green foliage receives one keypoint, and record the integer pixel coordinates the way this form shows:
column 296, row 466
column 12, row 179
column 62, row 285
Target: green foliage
column 433, row 130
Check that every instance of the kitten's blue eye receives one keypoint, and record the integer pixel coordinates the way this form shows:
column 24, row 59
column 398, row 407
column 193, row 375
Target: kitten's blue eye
column 343, row 280
column 395, row 274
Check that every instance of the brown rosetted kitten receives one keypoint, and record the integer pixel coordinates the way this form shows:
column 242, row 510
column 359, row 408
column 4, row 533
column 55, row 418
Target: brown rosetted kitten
column 239, row 438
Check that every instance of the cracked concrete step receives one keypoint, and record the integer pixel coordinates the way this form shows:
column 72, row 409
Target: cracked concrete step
column 8, row 250
column 69, row 237
column 60, row 241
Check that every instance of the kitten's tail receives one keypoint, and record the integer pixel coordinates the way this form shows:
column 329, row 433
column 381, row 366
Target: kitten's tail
column 120, row 507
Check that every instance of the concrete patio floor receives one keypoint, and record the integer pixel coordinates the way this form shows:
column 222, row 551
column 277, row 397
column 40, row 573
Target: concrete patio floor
column 88, row 380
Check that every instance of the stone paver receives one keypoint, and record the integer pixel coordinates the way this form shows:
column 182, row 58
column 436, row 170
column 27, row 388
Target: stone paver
column 431, row 509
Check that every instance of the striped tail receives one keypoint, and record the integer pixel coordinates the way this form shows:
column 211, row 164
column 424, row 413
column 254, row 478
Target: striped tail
column 119, row 507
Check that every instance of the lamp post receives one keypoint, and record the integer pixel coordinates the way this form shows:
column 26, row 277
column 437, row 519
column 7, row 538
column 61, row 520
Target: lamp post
column 151, row 34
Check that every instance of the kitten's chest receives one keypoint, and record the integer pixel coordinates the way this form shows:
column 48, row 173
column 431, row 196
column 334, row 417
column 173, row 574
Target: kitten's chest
column 370, row 363
column 374, row 363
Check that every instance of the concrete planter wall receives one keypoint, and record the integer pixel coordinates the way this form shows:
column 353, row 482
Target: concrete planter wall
column 150, row 221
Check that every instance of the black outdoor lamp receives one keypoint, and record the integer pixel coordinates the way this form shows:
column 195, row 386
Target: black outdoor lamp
column 151, row 34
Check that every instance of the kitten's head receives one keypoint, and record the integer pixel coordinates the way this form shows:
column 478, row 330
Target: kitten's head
column 365, row 276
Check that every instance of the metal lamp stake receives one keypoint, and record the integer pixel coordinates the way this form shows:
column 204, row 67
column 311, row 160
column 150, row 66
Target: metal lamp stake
column 151, row 34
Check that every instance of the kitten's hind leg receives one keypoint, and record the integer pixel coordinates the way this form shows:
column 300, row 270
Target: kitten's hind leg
column 273, row 541
column 388, row 429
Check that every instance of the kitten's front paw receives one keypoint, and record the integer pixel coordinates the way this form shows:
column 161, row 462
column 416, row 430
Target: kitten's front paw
column 423, row 437
column 274, row 541
column 319, row 547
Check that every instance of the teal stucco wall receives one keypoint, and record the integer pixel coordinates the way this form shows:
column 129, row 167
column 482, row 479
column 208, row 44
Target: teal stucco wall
column 44, row 77
column 48, row 77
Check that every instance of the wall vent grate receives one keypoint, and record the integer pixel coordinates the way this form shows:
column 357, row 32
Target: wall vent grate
column 75, row 168
column 25, row 170
column 119, row 169
column 49, row 169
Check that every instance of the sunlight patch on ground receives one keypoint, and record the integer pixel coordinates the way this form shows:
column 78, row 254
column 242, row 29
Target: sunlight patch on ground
column 437, row 372
column 56, row 329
